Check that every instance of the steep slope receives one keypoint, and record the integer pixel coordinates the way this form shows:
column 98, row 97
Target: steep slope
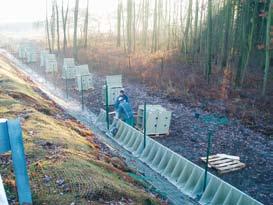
column 64, row 163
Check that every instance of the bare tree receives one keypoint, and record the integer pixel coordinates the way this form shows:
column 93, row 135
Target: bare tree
column 86, row 25
column 155, row 28
column 145, row 22
column 64, row 18
column 58, row 27
column 75, row 40
column 47, row 31
column 129, row 24
column 119, row 11
column 53, row 27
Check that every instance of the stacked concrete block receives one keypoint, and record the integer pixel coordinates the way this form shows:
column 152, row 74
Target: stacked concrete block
column 84, row 82
column 82, row 70
column 51, row 65
column 114, row 84
column 84, row 78
column 43, row 55
column 22, row 50
column 31, row 54
column 158, row 119
column 69, row 70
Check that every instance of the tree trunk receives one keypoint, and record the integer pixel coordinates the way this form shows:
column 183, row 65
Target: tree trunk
column 154, row 42
column 145, row 22
column 86, row 25
column 75, row 39
column 134, row 26
column 169, row 25
column 187, row 28
column 196, row 27
column 250, row 39
column 123, row 28
column 47, row 31
column 226, row 34
column 119, row 22
column 209, row 40
column 64, row 18
column 129, row 26
column 53, row 20
column 58, row 27
column 267, row 54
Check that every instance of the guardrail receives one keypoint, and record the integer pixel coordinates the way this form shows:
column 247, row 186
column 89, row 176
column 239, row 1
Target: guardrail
column 11, row 140
column 185, row 175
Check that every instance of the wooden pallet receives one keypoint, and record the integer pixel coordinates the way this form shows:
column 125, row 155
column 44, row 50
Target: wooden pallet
column 153, row 135
column 224, row 163
column 158, row 135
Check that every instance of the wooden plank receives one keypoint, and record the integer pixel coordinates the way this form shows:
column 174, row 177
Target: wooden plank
column 214, row 159
column 232, row 166
column 231, row 170
column 210, row 157
column 222, row 161
column 225, row 164
column 158, row 135
column 229, row 156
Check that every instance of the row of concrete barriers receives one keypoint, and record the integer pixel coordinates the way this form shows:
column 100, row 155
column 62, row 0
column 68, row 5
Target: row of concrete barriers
column 182, row 173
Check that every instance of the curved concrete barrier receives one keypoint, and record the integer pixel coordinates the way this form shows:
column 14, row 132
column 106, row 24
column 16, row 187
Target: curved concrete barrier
column 185, row 175
column 101, row 119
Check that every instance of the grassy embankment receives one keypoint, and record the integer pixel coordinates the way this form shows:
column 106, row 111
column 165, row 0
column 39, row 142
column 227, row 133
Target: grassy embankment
column 64, row 163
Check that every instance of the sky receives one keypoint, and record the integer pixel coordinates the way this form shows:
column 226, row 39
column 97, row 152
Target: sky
column 34, row 10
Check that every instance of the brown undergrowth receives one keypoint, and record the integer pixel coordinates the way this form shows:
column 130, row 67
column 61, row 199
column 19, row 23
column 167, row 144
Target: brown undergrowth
column 182, row 80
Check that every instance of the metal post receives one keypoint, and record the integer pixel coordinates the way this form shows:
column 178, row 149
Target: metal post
column 145, row 124
column 55, row 78
column 66, row 84
column 207, row 159
column 82, row 94
column 107, row 106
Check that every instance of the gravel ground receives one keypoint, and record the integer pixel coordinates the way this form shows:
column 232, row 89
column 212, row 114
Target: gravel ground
column 188, row 136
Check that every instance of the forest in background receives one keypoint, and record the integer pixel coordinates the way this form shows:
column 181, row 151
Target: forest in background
column 202, row 52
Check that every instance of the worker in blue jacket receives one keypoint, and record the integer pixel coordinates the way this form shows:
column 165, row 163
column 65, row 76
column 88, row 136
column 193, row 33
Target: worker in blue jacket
column 125, row 111
column 122, row 95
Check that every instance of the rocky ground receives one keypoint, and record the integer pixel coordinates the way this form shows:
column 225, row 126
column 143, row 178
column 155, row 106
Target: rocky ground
column 188, row 135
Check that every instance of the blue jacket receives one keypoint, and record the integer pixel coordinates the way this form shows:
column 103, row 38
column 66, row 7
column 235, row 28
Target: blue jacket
column 125, row 111
column 117, row 102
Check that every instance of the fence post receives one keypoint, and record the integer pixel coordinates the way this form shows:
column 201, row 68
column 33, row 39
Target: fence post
column 107, row 106
column 207, row 159
column 145, row 122
column 66, row 83
column 82, row 94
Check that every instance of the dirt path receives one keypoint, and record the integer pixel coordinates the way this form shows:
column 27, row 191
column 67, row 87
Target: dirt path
column 188, row 136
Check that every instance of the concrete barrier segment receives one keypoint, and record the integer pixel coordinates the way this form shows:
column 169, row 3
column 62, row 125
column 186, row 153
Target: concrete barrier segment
column 101, row 119
column 185, row 175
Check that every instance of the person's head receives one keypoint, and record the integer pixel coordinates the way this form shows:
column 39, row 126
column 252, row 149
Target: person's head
column 122, row 92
